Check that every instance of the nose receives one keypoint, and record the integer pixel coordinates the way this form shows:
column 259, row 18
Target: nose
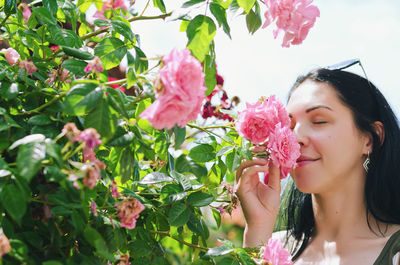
column 300, row 133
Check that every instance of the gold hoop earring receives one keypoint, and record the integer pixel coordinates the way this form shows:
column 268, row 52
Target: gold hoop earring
column 366, row 163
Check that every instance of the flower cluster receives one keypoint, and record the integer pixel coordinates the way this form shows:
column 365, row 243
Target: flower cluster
column 267, row 122
column 294, row 17
column 28, row 65
column 180, row 91
column 128, row 211
column 11, row 55
column 91, row 170
column 110, row 5
column 62, row 76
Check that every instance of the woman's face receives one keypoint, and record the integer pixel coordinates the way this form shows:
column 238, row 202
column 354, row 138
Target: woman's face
column 332, row 148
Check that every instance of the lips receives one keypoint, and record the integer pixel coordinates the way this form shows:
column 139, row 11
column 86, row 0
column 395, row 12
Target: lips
column 304, row 160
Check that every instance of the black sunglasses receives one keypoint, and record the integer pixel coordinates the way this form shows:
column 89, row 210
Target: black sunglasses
column 346, row 64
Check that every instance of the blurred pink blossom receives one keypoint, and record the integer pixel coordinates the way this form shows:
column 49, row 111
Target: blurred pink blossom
column 28, row 65
column 94, row 65
column 110, row 4
column 284, row 149
column 180, row 91
column 26, row 11
column 92, row 174
column 93, row 208
column 128, row 212
column 114, row 189
column 11, row 56
column 275, row 254
column 5, row 246
column 62, row 77
column 71, row 132
column 90, row 137
column 294, row 17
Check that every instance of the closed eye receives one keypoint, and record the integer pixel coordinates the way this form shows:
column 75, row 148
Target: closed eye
column 319, row 122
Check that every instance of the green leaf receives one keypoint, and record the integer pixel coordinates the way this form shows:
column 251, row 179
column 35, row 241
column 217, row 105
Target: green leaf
column 224, row 150
column 126, row 165
column 10, row 7
column 141, row 63
column 77, row 53
column 54, row 151
column 13, row 200
column 233, row 161
column 42, row 13
column 115, row 97
column 160, row 4
column 101, row 23
column 225, row 3
column 60, row 211
column 200, row 199
column 219, row 251
column 202, row 153
column 39, row 120
column 181, row 179
column 122, row 29
column 77, row 221
column 19, row 250
column 198, row 226
column 130, row 77
column 246, row 4
column 29, row 159
column 210, row 71
column 184, row 165
column 82, row 98
column 178, row 215
column 200, row 32
column 75, row 66
column 102, row 119
column 139, row 248
column 171, row 193
column 253, row 21
column 123, row 140
column 191, row 3
column 180, row 134
column 51, row 5
column 244, row 258
column 110, row 51
column 220, row 14
column 155, row 177
column 217, row 217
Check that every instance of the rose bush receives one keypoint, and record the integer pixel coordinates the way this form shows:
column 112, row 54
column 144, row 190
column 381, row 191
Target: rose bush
column 103, row 162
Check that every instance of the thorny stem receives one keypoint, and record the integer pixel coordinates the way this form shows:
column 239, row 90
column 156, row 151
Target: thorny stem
column 204, row 129
column 99, row 31
column 55, row 99
column 166, row 233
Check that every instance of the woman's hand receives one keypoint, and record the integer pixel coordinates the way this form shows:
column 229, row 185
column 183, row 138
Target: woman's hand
column 260, row 202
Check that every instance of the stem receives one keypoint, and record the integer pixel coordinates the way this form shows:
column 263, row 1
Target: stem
column 55, row 99
column 166, row 233
column 79, row 148
column 4, row 20
column 147, row 4
column 99, row 31
column 210, row 132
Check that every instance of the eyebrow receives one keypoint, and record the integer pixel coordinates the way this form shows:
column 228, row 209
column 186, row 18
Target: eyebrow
column 314, row 108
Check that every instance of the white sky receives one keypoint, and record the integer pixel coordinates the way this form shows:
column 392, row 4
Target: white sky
column 257, row 65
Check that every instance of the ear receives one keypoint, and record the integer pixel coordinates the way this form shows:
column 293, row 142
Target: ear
column 380, row 131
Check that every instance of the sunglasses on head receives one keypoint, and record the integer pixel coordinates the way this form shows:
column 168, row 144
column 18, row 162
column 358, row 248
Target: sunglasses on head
column 346, row 64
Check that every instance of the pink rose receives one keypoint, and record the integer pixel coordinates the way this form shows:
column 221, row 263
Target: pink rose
column 5, row 246
column 71, row 132
column 92, row 174
column 11, row 56
column 278, row 111
column 180, row 91
column 294, row 17
column 128, row 211
column 275, row 254
column 284, row 148
column 28, row 65
column 94, row 65
column 110, row 4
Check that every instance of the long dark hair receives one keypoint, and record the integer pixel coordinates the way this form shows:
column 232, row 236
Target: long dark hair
column 382, row 195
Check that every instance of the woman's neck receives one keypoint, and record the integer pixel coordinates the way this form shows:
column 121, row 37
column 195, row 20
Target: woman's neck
column 341, row 212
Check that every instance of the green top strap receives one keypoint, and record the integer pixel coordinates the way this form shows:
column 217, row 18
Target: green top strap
column 391, row 248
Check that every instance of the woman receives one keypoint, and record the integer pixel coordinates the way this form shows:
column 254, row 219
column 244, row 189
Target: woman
column 345, row 204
